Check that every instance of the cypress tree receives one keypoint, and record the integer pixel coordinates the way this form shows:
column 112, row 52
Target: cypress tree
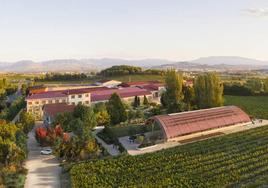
column 116, row 109
column 145, row 100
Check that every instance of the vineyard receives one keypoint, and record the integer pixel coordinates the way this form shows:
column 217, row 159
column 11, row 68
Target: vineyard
column 235, row 160
column 256, row 106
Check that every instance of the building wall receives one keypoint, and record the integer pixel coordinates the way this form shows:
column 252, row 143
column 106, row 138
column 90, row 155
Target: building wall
column 35, row 106
column 75, row 99
column 129, row 100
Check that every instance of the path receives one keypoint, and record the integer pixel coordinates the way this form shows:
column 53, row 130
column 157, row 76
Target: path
column 110, row 149
column 43, row 170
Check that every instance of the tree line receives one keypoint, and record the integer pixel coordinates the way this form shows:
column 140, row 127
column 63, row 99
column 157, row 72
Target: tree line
column 252, row 87
column 119, row 70
column 207, row 92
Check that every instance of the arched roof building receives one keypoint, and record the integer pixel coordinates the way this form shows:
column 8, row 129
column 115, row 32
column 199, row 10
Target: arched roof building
column 179, row 124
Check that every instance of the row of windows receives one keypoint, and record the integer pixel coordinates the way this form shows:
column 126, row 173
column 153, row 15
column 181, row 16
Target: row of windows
column 47, row 102
column 79, row 96
column 80, row 102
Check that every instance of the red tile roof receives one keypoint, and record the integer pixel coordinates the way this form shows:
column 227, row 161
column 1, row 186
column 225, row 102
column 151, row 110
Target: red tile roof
column 64, row 93
column 123, row 92
column 85, row 90
column 47, row 95
column 54, row 109
column 184, row 123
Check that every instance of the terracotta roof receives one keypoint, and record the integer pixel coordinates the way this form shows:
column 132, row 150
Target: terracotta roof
column 123, row 92
column 184, row 123
column 85, row 90
column 64, row 93
column 54, row 109
column 47, row 95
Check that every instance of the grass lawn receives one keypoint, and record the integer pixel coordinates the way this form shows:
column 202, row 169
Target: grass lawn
column 256, row 106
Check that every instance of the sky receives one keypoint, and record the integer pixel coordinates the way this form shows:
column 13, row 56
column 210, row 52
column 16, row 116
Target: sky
column 132, row 29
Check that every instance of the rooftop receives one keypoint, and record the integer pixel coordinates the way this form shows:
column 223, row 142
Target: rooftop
column 123, row 92
column 54, row 109
column 184, row 123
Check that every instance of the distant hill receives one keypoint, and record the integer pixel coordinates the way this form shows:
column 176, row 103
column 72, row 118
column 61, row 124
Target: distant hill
column 229, row 60
column 218, row 63
column 75, row 65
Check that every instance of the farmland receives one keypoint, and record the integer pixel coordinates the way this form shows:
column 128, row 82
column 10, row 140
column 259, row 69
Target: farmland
column 256, row 106
column 123, row 78
column 235, row 160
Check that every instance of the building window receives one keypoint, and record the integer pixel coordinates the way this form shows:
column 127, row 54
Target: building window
column 73, row 103
column 63, row 101
column 50, row 102
column 43, row 102
column 87, row 95
column 57, row 101
column 73, row 96
column 79, row 102
column 79, row 96
column 87, row 102
column 30, row 103
column 36, row 102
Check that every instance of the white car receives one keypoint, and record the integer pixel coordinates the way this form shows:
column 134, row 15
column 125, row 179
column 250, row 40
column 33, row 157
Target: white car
column 46, row 152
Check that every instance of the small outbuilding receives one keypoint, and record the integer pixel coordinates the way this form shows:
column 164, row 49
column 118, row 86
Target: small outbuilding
column 185, row 123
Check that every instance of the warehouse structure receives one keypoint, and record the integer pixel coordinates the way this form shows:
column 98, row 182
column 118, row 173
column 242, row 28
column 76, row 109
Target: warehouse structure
column 185, row 123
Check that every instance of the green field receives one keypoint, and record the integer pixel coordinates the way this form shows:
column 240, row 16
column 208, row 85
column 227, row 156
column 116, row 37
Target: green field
column 256, row 106
column 235, row 160
column 123, row 78
column 134, row 78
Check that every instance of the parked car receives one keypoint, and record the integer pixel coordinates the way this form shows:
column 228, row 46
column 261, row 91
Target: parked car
column 46, row 152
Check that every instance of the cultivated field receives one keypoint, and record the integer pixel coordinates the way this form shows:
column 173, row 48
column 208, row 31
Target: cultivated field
column 235, row 160
column 123, row 78
column 256, row 106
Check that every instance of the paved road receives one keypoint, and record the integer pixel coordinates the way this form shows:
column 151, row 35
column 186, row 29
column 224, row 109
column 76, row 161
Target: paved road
column 43, row 171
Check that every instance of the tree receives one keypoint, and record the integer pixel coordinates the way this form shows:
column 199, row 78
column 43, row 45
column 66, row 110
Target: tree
column 102, row 118
column 208, row 90
column 116, row 109
column 89, row 119
column 189, row 97
column 173, row 96
column 80, row 111
column 27, row 121
column 145, row 100
column 265, row 85
column 136, row 102
column 64, row 120
column 86, row 115
column 254, row 84
column 76, row 126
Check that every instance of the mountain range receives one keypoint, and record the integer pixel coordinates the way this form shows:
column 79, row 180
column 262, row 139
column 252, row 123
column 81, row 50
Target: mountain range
column 85, row 65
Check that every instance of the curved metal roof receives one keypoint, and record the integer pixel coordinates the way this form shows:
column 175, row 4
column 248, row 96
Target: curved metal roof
column 184, row 123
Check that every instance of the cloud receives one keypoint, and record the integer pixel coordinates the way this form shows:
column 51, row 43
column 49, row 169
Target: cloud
column 258, row 12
